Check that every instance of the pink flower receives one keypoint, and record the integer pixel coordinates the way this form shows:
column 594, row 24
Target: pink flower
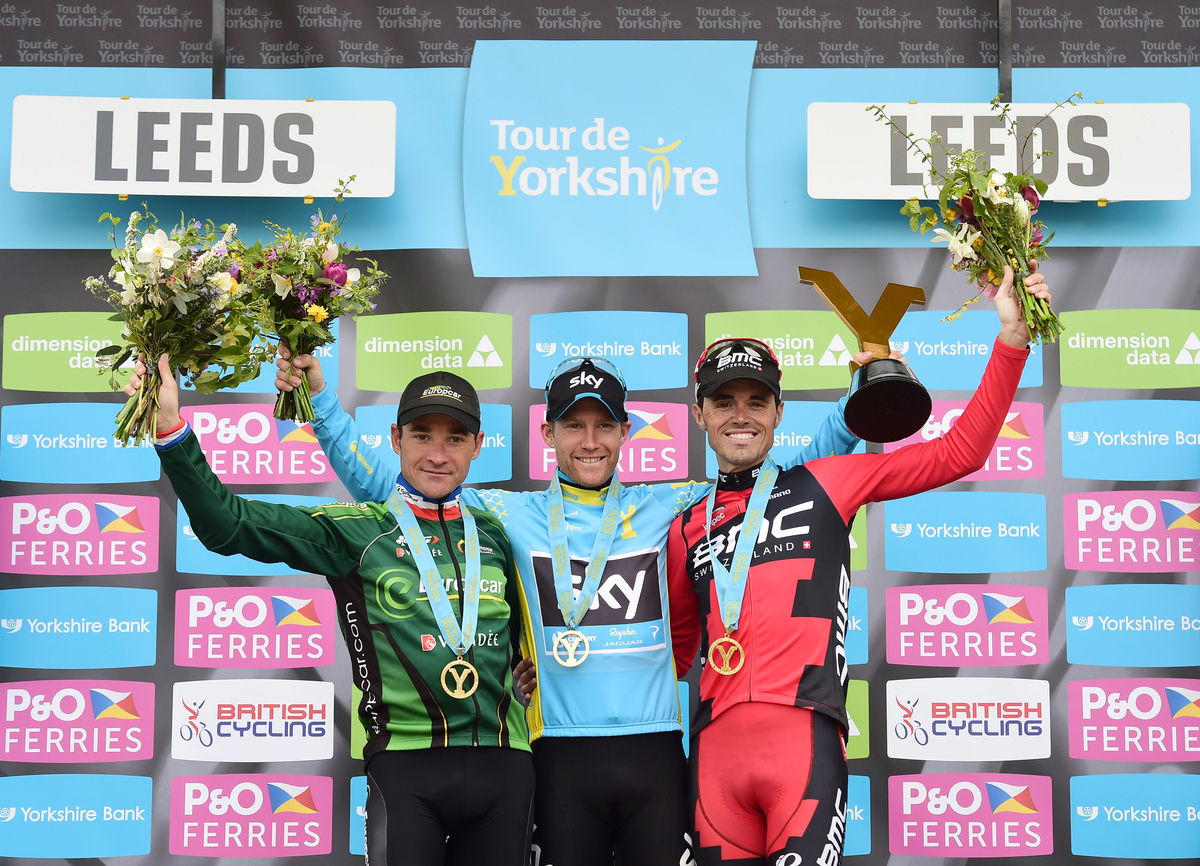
column 335, row 271
column 1030, row 195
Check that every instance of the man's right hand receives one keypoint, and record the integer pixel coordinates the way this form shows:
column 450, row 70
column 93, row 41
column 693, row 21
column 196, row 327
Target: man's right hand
column 168, row 392
column 291, row 369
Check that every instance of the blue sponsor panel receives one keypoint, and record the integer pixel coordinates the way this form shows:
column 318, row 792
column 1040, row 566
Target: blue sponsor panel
column 494, row 462
column 264, row 382
column 650, row 349
column 1131, row 440
column 858, row 816
column 802, row 420
column 1136, row 816
column 951, row 356
column 78, row 627
column 70, row 443
column 1134, row 625
column 967, row 532
column 358, row 815
column 73, row 815
column 857, row 652
column 192, row 557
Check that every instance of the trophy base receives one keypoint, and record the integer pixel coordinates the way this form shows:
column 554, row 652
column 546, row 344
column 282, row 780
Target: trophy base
column 887, row 403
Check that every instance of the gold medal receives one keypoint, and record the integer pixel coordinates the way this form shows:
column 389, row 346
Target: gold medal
column 727, row 648
column 460, row 669
column 571, row 640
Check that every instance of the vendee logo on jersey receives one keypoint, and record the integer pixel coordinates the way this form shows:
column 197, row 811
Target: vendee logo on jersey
column 1130, row 348
column 1138, row 719
column 970, row 815
column 1020, row 449
column 252, row 720
column 494, row 462
column 78, row 721
column 78, row 627
column 245, row 444
column 394, row 348
column 1122, row 625
column 952, row 356
column 79, row 533
column 1132, row 531
column 67, row 815
column 655, row 451
column 1135, row 816
column 251, row 815
column 963, row 625
column 968, row 719
column 650, row 349
column 967, row 531
column 248, row 627
column 69, row 443
column 1131, row 440
column 191, row 556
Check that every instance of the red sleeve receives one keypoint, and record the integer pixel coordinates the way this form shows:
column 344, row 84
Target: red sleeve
column 682, row 602
column 855, row 479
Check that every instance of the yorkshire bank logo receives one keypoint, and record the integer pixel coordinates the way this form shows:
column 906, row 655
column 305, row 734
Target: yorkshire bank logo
column 58, row 627
column 1138, row 719
column 1131, row 440
column 248, row 627
column 570, row 139
column 394, row 348
column 656, row 449
column 1132, row 531
column 1136, row 815
column 57, row 352
column 77, row 721
column 953, row 355
column 373, row 449
column 78, row 534
column 1134, row 625
column 1131, row 348
column 1020, row 448
column 649, row 348
column 245, row 444
column 70, row 816
column 69, row 443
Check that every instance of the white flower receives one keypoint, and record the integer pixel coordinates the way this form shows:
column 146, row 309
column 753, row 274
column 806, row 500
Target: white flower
column 283, row 285
column 129, row 294
column 1022, row 208
column 158, row 250
column 224, row 282
column 352, row 275
column 308, row 242
column 960, row 244
column 331, row 252
column 996, row 193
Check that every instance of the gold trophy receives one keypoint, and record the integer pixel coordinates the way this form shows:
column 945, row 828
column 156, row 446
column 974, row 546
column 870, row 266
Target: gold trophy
column 886, row 402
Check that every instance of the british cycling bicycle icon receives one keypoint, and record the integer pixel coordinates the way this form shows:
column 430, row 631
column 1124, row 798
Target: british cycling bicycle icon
column 910, row 727
column 193, row 727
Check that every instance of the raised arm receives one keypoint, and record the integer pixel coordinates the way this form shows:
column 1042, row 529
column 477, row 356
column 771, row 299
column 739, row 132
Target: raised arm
column 834, row 437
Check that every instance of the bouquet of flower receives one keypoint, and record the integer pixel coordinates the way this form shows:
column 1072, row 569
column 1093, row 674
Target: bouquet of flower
column 301, row 284
column 177, row 294
column 989, row 217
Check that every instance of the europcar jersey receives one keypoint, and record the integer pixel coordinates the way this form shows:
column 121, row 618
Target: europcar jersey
column 627, row 684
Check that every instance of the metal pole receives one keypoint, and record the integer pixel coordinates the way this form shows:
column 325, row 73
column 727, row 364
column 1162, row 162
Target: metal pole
column 218, row 49
column 1004, row 45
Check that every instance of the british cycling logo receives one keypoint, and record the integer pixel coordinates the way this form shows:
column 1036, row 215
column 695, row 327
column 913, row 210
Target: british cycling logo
column 1114, row 815
column 87, row 721
column 1139, row 625
column 79, row 534
column 1132, row 531
column 230, row 627
column 1141, row 719
column 67, row 815
column 1131, row 440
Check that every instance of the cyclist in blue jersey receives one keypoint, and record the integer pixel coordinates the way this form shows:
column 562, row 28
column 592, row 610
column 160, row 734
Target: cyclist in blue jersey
column 590, row 552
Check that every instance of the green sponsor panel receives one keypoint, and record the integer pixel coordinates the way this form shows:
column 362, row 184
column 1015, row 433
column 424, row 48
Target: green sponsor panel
column 358, row 734
column 814, row 347
column 859, row 744
column 858, row 541
column 392, row 349
column 57, row 352
column 1130, row 348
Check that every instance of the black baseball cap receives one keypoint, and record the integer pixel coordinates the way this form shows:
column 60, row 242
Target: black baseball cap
column 440, row 394
column 738, row 358
column 577, row 378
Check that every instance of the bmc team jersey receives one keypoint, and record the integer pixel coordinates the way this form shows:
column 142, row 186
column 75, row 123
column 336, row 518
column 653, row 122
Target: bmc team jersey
column 627, row 684
column 396, row 650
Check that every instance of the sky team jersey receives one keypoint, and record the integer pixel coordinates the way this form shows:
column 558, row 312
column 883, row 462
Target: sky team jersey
column 627, row 684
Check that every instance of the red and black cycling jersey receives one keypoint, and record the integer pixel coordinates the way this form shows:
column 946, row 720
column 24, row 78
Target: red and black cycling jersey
column 794, row 611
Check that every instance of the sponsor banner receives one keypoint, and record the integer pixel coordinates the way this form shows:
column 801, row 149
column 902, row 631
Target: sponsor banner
column 952, row 356
column 857, row 652
column 1138, row 719
column 970, row 815
column 656, row 449
column 192, row 557
column 814, row 347
column 393, row 349
column 79, row 533
column 68, row 815
column 858, row 745
column 650, row 349
column 251, row 815
column 1131, row 440
column 78, row 627
column 656, row 186
column 968, row 719
column 1020, row 449
column 1130, row 348
column 493, row 464
column 242, row 147
column 1147, row 625
column 858, row 816
column 249, row 627
column 245, row 443
column 964, row 625
column 358, row 815
column 264, row 382
column 966, row 532
column 251, row 721
column 1132, row 531
column 78, row 721
column 1136, row 816
column 70, row 443
column 57, row 352
column 802, row 420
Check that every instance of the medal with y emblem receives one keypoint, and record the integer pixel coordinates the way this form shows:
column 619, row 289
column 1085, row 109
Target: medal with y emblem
column 459, row 670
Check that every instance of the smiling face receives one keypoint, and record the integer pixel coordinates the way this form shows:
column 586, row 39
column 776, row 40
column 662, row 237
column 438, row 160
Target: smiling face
column 740, row 419
column 435, row 453
column 587, row 442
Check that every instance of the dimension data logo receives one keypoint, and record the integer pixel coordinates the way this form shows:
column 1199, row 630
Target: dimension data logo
column 191, row 556
column 1130, row 348
column 650, row 349
column 656, row 449
column 1122, row 625
column 67, row 815
column 953, row 355
column 966, row 532
column 395, row 348
column 247, row 627
column 373, row 448
column 1131, row 440
column 566, row 140
column 1140, row 719
column 1136, row 815
column 1132, row 531
column 57, row 352
column 813, row 346
column 78, row 627
column 69, row 443
column 79, row 534
column 78, row 721
column 245, row 444
column 1020, row 449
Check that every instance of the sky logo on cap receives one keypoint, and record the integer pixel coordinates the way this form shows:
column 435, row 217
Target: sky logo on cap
column 656, row 449
column 494, row 462
column 1019, row 450
column 1139, row 625
column 76, row 627
column 649, row 348
column 1131, row 440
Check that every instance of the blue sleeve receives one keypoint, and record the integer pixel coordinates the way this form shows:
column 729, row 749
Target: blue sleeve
column 678, row 497
column 834, row 437
column 367, row 479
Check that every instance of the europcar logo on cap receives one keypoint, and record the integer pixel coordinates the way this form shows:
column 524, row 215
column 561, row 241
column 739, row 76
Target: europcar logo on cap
column 78, row 627
column 67, row 815
column 1139, row 625
column 1019, row 451
column 1132, row 531
column 962, row 625
column 78, row 534
column 1136, row 719
column 441, row 391
column 656, row 449
column 494, row 462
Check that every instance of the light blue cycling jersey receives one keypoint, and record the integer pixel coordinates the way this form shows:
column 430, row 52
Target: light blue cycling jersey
column 627, row 684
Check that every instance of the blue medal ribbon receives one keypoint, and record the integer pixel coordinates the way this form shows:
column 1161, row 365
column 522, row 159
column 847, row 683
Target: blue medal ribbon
column 573, row 610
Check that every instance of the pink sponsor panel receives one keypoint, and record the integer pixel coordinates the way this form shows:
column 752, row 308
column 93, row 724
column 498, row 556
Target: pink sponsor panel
column 251, row 815
column 245, row 444
column 970, row 815
column 655, row 451
column 1135, row 719
column 79, row 533
column 252, row 627
column 1020, row 449
column 965, row 625
column 1134, row 531
column 78, row 721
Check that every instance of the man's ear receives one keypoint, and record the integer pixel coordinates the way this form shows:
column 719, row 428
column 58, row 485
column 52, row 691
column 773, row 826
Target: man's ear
column 548, row 434
column 625, row 428
column 699, row 416
column 396, row 438
column 479, row 439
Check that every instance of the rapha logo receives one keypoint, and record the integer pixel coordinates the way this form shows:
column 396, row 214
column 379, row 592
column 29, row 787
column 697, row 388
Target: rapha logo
column 546, row 350
column 18, row 440
column 1083, row 623
column 902, row 530
column 1087, row 813
column 1078, row 437
column 12, row 626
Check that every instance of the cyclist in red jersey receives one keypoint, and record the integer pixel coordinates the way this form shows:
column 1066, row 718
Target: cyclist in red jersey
column 768, row 754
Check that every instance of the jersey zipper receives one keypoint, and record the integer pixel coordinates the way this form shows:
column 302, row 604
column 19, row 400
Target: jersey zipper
column 458, row 583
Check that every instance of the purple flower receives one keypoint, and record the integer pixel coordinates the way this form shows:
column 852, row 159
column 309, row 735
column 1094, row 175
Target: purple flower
column 1036, row 237
column 1030, row 195
column 271, row 254
column 333, row 218
column 336, row 272
column 236, row 271
column 197, row 225
column 314, row 219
